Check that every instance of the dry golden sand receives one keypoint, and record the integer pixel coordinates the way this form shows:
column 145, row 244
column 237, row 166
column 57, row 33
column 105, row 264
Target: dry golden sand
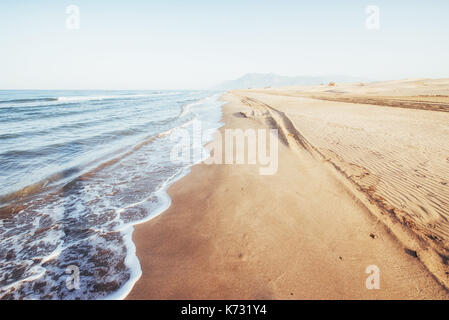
column 398, row 158
column 357, row 185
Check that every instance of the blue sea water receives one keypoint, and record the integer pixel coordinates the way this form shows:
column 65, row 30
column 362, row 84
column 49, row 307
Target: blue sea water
column 77, row 170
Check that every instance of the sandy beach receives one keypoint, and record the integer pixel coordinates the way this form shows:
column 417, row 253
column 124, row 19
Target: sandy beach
column 234, row 150
column 363, row 180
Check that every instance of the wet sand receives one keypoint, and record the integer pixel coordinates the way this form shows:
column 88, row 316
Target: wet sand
column 357, row 185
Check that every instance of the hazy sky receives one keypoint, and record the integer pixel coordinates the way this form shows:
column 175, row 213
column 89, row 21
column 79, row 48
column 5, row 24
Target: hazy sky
column 196, row 44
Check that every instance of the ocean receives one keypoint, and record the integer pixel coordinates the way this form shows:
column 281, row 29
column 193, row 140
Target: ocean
column 78, row 169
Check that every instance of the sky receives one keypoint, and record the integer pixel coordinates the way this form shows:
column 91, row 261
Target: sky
column 195, row 44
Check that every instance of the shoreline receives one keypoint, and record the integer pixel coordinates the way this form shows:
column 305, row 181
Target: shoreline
column 132, row 260
column 205, row 246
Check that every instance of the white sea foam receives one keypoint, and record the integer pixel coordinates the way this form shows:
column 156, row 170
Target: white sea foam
column 89, row 223
column 165, row 202
column 186, row 109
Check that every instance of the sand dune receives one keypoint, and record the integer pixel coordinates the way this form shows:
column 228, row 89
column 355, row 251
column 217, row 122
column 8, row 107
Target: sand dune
column 398, row 157
column 431, row 94
column 357, row 185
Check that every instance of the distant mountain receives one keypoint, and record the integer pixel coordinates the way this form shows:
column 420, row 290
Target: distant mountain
column 261, row 80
